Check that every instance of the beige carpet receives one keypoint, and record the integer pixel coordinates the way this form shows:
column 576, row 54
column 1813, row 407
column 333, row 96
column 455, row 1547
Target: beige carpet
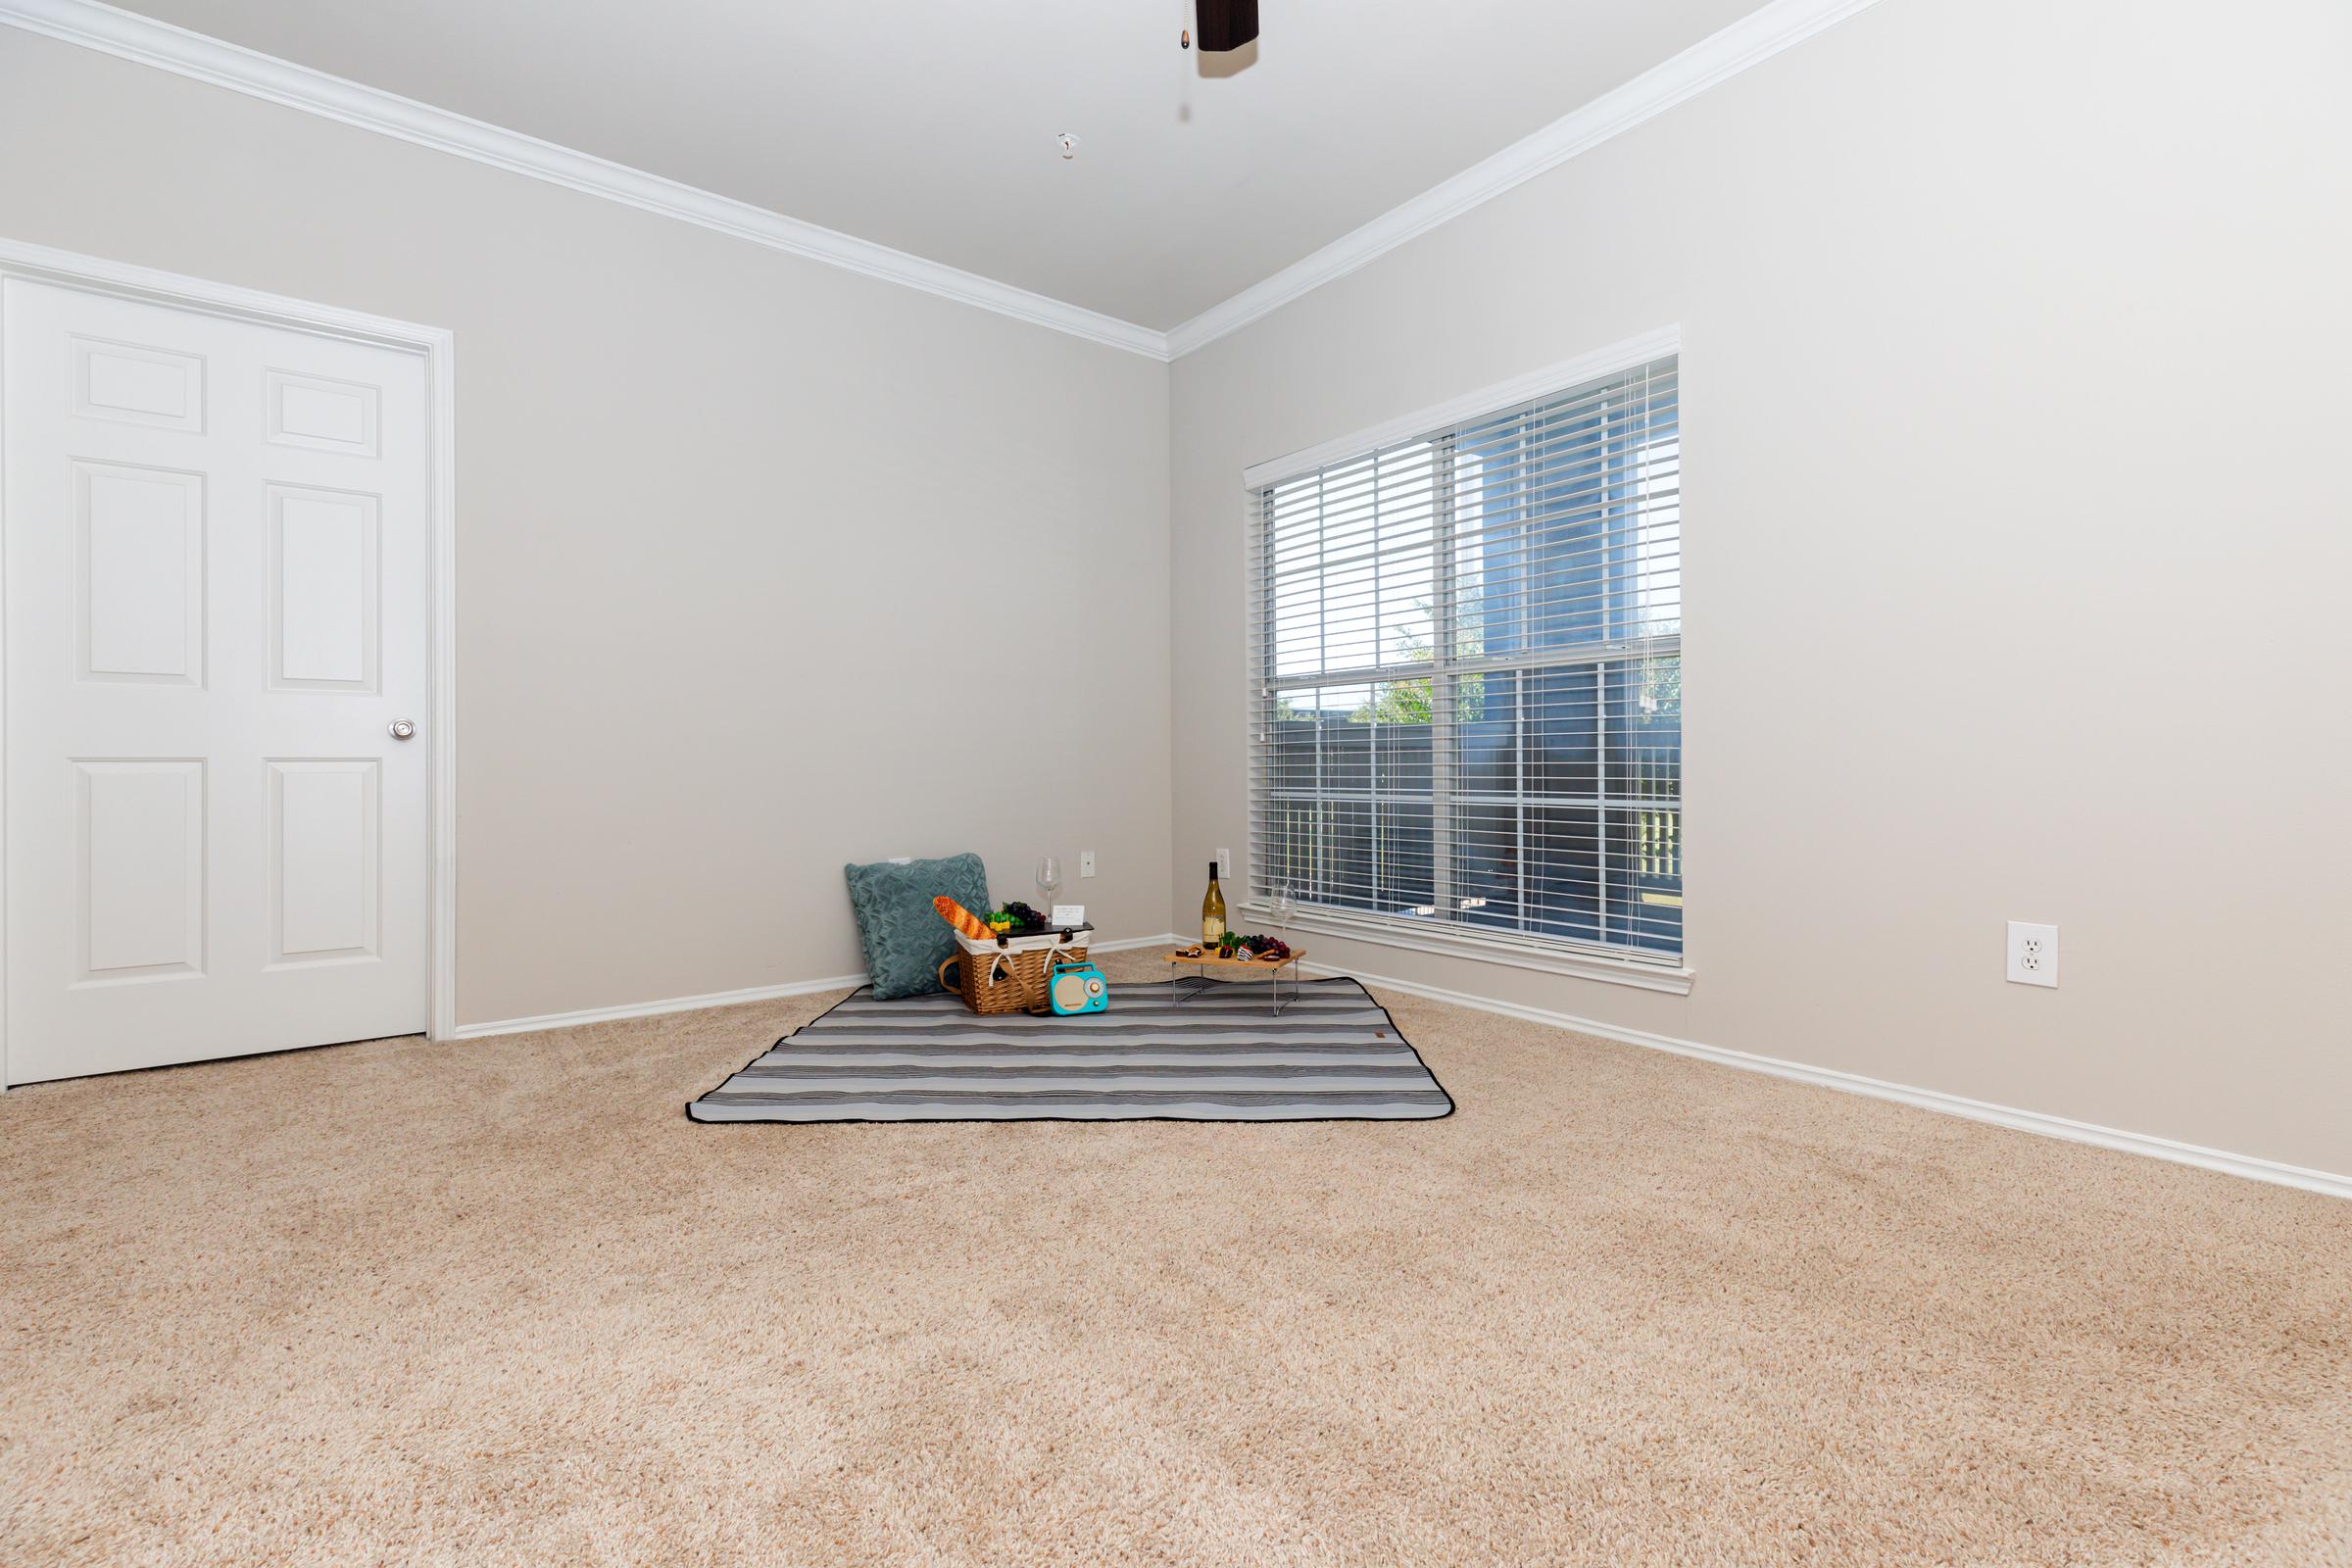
column 500, row 1303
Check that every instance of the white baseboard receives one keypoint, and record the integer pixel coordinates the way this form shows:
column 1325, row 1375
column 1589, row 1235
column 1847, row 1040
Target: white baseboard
column 1166, row 939
column 2026, row 1121
column 651, row 1009
column 721, row 998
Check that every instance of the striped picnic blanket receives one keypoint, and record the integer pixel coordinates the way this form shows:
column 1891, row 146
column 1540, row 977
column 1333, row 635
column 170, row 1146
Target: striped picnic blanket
column 1189, row 1051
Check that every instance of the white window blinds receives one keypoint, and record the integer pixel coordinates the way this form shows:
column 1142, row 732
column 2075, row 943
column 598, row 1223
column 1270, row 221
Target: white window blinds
column 1467, row 676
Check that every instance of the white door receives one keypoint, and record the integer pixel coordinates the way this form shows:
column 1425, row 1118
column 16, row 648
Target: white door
column 217, row 556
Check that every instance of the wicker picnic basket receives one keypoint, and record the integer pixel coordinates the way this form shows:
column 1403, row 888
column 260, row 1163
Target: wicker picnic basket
column 1008, row 975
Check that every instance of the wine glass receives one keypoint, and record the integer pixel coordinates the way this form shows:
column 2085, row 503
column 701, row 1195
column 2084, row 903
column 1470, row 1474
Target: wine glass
column 1286, row 905
column 1048, row 880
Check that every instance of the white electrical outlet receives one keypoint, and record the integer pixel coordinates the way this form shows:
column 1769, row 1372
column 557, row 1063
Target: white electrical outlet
column 1085, row 862
column 2033, row 954
column 1224, row 865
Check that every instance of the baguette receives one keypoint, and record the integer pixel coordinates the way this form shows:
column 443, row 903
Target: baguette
column 961, row 918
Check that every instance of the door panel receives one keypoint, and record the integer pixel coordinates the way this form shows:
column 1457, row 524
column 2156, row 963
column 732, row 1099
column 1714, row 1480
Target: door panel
column 307, row 411
column 138, row 384
column 217, row 563
column 139, row 838
column 138, row 548
column 326, row 824
column 325, row 599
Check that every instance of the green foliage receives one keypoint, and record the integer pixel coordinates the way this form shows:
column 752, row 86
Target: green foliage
column 1400, row 702
column 1662, row 685
column 1414, row 701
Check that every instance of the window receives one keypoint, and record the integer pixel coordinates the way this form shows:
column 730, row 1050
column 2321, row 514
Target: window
column 1467, row 677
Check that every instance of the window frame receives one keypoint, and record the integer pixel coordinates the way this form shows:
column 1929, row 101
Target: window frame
column 1666, row 972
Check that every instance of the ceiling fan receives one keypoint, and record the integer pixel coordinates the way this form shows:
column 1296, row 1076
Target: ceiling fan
column 1224, row 25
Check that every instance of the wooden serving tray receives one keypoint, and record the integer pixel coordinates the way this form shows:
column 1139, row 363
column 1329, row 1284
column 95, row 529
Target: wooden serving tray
column 1178, row 960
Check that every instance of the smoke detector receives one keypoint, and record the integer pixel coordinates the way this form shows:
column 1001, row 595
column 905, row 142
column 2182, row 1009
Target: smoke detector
column 1067, row 143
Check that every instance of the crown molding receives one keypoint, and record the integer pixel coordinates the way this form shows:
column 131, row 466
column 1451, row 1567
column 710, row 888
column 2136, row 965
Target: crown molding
column 150, row 43
column 1752, row 39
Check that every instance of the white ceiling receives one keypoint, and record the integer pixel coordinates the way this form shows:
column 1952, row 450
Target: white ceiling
column 928, row 124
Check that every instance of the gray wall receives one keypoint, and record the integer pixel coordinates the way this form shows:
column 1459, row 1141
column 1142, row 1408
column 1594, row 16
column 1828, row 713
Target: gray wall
column 732, row 527
column 2017, row 528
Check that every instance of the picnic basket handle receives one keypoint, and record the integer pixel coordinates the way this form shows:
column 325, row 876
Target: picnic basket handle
column 951, row 962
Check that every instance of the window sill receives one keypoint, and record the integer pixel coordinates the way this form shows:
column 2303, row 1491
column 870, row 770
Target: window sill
column 1644, row 974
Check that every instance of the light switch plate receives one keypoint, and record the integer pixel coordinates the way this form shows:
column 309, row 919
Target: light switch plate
column 1085, row 862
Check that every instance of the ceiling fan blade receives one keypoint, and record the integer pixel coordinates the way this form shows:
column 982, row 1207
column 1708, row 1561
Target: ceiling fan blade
column 1226, row 24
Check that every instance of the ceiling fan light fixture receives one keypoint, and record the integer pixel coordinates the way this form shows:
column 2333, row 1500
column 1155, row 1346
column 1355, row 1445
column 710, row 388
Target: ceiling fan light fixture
column 1226, row 24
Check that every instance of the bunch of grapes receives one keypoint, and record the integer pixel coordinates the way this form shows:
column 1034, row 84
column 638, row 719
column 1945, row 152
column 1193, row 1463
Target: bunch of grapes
column 1024, row 918
column 1265, row 946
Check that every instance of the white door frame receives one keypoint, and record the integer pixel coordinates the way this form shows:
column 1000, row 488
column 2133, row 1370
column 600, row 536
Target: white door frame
column 92, row 274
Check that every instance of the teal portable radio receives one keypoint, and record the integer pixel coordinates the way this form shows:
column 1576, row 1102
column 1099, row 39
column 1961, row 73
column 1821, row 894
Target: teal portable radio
column 1075, row 988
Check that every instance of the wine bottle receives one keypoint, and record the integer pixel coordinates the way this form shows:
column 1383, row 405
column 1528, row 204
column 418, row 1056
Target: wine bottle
column 1212, row 909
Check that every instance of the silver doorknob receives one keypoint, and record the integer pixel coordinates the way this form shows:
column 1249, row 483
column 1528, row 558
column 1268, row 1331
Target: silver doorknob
column 402, row 729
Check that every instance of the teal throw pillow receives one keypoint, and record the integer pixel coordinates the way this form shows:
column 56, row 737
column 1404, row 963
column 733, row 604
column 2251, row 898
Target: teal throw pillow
column 905, row 939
